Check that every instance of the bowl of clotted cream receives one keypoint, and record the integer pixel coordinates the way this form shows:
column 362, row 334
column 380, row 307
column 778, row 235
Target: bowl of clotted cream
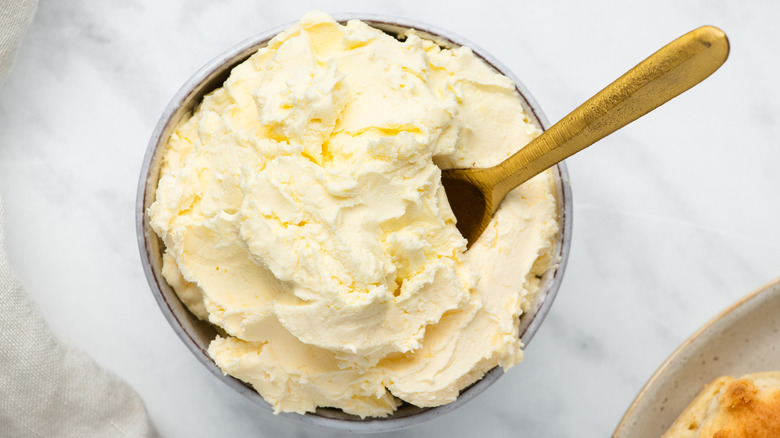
column 295, row 233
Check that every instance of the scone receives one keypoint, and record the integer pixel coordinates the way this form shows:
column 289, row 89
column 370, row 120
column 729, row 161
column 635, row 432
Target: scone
column 748, row 407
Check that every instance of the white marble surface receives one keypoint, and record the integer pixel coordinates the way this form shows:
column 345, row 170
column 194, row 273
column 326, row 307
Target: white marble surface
column 675, row 217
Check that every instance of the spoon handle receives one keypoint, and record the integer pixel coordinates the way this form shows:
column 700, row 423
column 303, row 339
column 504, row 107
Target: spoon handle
column 665, row 74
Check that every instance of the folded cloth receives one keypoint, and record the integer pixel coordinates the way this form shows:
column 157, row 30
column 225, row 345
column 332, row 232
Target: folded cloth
column 48, row 389
column 15, row 16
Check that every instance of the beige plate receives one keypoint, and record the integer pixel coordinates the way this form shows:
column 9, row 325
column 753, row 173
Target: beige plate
column 742, row 339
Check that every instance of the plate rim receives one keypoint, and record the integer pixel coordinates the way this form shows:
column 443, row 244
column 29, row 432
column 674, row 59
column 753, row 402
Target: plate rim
column 634, row 406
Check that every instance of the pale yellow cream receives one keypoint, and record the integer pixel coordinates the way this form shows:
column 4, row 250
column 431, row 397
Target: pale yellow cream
column 302, row 212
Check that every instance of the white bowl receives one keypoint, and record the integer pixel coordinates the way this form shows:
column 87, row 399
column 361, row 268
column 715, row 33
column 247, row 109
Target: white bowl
column 197, row 334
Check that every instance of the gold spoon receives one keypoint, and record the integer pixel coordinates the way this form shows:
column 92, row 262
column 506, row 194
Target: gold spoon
column 474, row 194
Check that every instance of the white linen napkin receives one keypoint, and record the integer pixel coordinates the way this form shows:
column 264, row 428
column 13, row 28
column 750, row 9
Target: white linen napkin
column 48, row 389
column 15, row 16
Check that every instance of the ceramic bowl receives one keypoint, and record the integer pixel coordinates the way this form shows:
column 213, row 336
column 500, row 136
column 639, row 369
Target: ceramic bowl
column 197, row 334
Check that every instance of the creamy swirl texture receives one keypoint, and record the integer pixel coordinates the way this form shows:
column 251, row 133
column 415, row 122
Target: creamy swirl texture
column 302, row 212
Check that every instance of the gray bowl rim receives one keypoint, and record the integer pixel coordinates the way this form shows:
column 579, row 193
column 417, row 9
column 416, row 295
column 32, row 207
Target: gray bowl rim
column 193, row 89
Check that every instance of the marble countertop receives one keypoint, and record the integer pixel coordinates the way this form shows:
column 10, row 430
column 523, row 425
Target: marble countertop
column 675, row 217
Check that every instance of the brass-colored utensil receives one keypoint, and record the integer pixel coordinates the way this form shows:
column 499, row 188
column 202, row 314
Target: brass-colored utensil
column 474, row 194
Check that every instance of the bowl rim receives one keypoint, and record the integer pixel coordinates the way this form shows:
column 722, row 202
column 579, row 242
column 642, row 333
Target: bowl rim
column 200, row 83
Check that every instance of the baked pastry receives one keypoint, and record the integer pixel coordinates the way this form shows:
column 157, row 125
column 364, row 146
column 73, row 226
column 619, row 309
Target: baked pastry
column 748, row 407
